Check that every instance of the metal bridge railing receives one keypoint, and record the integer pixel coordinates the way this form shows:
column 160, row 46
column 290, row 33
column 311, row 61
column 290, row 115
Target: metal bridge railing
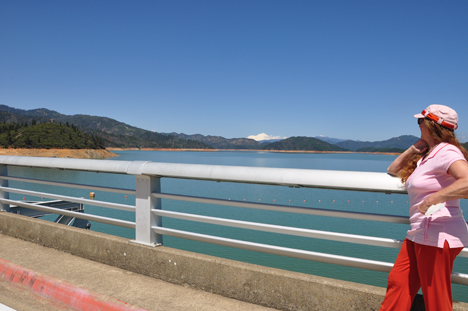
column 149, row 210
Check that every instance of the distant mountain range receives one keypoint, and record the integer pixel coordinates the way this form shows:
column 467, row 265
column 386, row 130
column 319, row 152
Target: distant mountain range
column 113, row 133
column 269, row 141
column 303, row 143
column 219, row 142
column 329, row 139
column 291, row 143
column 401, row 142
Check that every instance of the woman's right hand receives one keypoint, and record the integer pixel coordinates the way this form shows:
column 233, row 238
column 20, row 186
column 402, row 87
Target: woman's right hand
column 420, row 146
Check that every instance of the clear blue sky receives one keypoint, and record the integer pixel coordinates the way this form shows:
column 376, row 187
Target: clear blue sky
column 345, row 69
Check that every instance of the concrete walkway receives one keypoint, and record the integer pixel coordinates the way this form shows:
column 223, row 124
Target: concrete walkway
column 99, row 281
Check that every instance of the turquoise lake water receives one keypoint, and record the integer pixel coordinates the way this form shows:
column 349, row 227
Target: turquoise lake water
column 395, row 204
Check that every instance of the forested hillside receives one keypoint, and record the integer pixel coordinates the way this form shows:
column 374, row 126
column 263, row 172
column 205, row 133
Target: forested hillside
column 112, row 132
column 302, row 143
column 46, row 135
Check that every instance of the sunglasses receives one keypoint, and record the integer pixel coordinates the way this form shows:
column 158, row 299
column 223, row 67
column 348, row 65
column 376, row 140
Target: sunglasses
column 420, row 120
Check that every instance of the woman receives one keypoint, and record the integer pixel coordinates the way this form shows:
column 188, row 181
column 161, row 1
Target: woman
column 434, row 170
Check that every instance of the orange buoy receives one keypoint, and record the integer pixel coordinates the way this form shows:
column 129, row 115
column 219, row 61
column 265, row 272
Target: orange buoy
column 91, row 195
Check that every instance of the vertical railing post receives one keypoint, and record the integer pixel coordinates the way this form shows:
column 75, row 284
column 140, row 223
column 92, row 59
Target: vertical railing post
column 4, row 194
column 144, row 203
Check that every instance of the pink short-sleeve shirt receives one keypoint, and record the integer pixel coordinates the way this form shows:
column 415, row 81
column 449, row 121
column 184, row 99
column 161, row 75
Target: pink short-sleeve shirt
column 430, row 176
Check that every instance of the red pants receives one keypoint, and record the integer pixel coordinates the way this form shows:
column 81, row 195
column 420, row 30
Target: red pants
column 421, row 266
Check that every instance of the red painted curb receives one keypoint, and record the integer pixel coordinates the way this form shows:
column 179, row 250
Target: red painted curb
column 57, row 290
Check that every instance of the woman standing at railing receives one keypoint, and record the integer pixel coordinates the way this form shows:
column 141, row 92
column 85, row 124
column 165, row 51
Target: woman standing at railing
column 434, row 170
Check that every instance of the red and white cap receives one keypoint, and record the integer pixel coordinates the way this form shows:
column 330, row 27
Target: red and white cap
column 440, row 114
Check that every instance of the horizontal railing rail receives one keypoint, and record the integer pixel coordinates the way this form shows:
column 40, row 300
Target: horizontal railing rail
column 148, row 208
column 317, row 234
column 122, row 207
column 338, row 180
column 278, row 250
column 287, row 208
column 101, row 219
column 71, row 185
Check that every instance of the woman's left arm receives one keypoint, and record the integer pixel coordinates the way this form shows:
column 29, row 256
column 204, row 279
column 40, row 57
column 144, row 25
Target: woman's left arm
column 457, row 190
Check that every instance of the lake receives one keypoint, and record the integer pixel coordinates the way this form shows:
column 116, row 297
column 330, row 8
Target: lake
column 395, row 204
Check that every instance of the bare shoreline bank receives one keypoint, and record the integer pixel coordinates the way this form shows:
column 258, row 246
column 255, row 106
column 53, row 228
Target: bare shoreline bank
column 60, row 153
